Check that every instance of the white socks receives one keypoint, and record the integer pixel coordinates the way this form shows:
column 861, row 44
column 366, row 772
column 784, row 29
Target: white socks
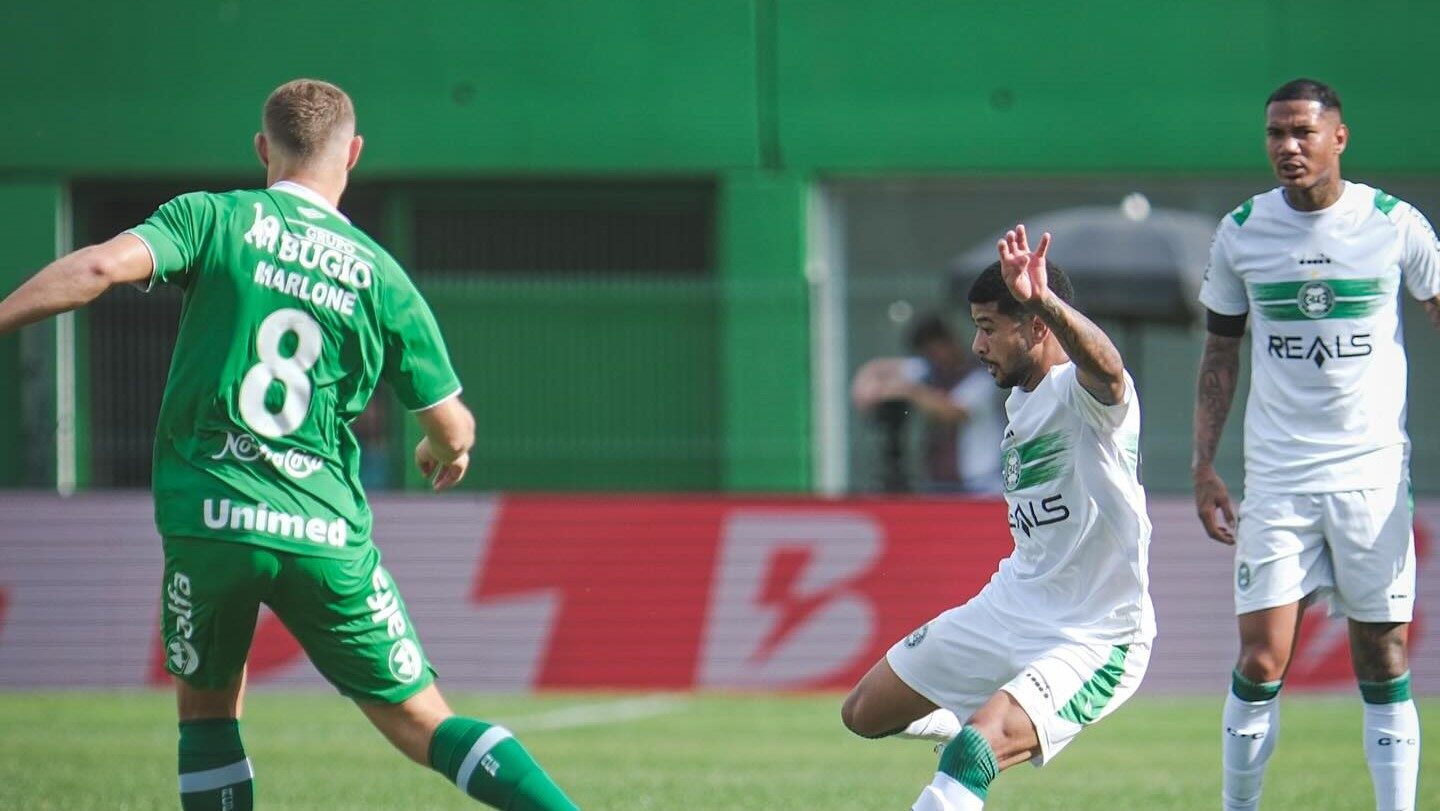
column 940, row 725
column 1392, row 748
column 1246, row 742
column 946, row 794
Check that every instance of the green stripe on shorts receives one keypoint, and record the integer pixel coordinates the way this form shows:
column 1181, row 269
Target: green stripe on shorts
column 1090, row 700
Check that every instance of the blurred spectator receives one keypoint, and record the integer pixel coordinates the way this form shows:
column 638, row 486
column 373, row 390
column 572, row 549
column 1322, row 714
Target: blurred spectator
column 964, row 409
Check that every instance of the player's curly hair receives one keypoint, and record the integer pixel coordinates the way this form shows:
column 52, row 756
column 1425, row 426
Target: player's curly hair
column 989, row 288
column 302, row 116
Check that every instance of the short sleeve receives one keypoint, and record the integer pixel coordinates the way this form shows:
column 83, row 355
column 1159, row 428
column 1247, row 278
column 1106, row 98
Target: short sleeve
column 1223, row 291
column 1106, row 418
column 417, row 365
column 1419, row 253
column 175, row 235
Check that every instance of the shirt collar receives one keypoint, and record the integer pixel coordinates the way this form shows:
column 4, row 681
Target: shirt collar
column 308, row 195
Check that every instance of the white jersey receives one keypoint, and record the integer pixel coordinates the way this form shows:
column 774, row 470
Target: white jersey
column 1327, row 364
column 1077, row 513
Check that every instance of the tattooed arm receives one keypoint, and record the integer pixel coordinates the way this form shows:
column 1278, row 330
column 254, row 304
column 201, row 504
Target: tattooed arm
column 1098, row 366
column 1214, row 393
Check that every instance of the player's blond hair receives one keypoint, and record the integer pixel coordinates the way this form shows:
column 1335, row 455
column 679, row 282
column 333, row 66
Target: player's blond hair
column 302, row 116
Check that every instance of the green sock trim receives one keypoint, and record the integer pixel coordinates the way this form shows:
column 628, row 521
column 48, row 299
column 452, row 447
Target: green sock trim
column 500, row 773
column 209, row 744
column 451, row 741
column 1253, row 691
column 970, row 760
column 214, row 745
column 1394, row 691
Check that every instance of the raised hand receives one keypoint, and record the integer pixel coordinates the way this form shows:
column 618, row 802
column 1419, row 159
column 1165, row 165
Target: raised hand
column 1022, row 269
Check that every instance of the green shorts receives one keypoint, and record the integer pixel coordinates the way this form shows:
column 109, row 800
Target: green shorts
column 346, row 614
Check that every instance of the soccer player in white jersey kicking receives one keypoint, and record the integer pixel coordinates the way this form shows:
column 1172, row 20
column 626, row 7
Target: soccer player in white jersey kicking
column 1317, row 264
column 1061, row 635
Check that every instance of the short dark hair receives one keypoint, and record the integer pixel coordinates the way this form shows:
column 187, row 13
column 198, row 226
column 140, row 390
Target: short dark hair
column 1306, row 90
column 989, row 288
column 927, row 330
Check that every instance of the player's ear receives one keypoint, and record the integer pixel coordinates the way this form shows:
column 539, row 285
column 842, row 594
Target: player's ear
column 1342, row 138
column 1036, row 328
column 262, row 149
column 357, row 143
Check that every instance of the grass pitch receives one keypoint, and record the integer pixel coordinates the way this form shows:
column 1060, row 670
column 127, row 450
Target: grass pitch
column 67, row 750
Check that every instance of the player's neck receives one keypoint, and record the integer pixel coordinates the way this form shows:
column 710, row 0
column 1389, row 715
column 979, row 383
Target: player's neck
column 327, row 185
column 1052, row 356
column 1315, row 198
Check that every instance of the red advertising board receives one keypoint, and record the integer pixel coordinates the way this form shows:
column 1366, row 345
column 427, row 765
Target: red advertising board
column 625, row 591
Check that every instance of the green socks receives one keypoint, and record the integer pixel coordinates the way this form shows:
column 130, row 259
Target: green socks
column 970, row 760
column 1253, row 691
column 488, row 764
column 1393, row 691
column 215, row 775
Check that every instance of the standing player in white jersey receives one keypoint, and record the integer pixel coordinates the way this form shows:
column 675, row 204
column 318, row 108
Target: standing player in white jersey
column 1060, row 637
column 1318, row 264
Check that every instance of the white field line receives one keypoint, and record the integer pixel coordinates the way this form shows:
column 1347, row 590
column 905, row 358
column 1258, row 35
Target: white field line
column 608, row 712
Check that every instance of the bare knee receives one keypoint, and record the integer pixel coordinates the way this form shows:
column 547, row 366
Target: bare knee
column 196, row 704
column 1263, row 661
column 853, row 714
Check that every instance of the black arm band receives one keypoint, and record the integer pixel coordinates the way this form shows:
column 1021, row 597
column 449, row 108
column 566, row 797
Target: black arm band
column 1226, row 326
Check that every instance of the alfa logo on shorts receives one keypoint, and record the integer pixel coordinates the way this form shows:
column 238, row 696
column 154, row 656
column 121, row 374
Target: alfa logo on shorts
column 917, row 636
column 1242, row 576
column 405, row 661
column 180, row 656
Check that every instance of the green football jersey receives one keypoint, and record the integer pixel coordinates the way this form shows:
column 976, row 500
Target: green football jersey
column 291, row 316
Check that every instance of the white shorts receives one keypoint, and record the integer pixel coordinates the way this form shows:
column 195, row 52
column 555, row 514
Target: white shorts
column 964, row 656
column 1356, row 547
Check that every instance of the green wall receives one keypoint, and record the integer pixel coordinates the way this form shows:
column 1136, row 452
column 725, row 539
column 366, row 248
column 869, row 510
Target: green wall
column 629, row 86
column 30, row 210
column 763, row 96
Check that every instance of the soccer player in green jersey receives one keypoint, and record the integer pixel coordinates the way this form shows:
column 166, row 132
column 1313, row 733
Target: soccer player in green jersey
column 291, row 317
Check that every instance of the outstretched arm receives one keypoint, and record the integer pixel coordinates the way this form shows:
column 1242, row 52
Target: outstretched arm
column 884, row 379
column 1214, row 392
column 74, row 280
column 1098, row 365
